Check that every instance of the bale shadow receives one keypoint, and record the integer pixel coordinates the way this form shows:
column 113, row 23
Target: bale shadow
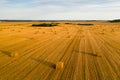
column 5, row 52
column 91, row 54
column 44, row 62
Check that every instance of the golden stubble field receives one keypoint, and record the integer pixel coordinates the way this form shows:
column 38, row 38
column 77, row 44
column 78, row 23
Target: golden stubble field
column 31, row 53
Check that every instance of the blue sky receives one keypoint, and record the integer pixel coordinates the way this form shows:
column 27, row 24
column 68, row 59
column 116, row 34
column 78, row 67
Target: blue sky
column 60, row 9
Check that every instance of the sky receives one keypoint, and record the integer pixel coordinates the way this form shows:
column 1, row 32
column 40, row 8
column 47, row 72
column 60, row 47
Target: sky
column 60, row 9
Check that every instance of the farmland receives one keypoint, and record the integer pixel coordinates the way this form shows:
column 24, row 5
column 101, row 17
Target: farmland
column 89, row 52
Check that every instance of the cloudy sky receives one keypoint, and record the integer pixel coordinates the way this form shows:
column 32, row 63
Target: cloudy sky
column 60, row 9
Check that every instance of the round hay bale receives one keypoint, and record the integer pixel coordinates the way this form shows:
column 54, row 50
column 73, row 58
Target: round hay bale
column 31, row 38
column 55, row 32
column 59, row 65
column 43, row 32
column 82, row 36
column 102, row 33
column 99, row 55
column 68, row 36
column 14, row 54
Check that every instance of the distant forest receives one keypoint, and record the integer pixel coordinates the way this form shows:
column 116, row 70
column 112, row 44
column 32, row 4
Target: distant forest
column 116, row 20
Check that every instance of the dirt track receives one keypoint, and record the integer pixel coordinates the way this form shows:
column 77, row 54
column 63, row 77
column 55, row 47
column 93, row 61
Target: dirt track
column 88, row 53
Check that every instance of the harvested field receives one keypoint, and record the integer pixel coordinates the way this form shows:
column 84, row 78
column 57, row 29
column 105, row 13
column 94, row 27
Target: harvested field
column 87, row 52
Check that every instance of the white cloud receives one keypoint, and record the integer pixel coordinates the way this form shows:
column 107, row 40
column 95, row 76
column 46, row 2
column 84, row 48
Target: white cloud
column 3, row 1
column 37, row 10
